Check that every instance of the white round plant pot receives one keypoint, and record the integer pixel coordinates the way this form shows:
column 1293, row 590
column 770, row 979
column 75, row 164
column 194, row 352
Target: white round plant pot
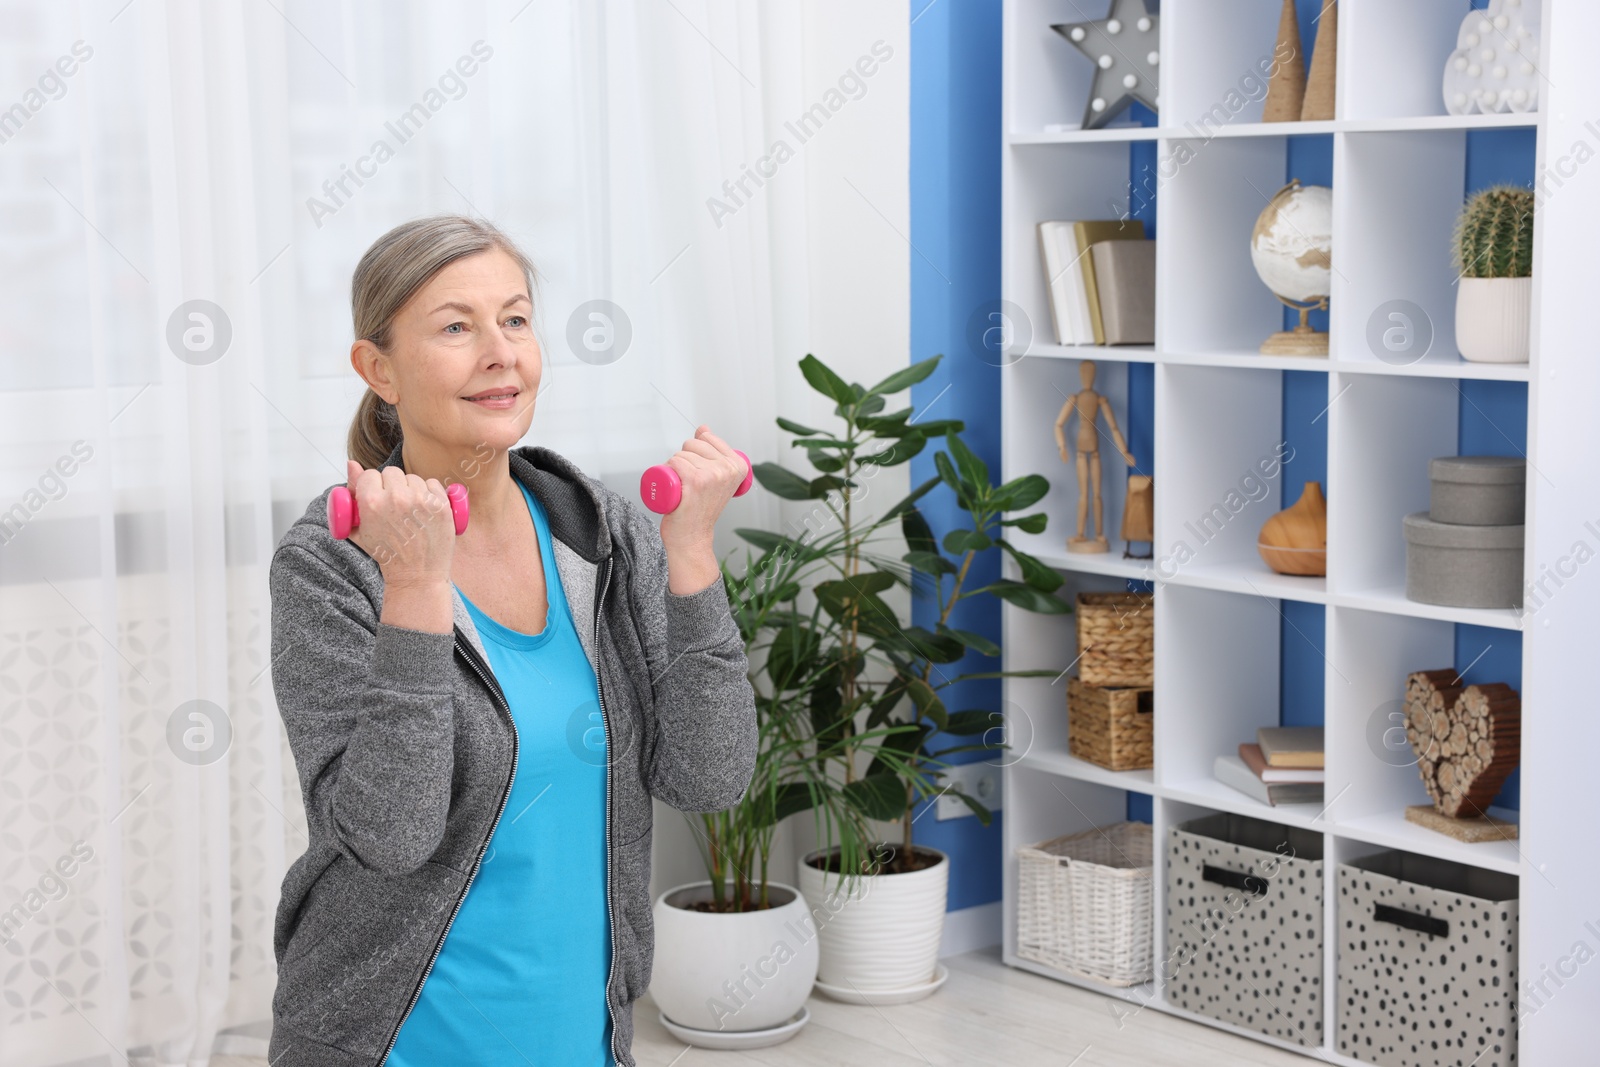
column 882, row 936
column 1492, row 319
column 722, row 973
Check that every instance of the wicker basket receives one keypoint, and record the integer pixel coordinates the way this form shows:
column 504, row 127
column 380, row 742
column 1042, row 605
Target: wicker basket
column 1085, row 903
column 1110, row 727
column 1116, row 638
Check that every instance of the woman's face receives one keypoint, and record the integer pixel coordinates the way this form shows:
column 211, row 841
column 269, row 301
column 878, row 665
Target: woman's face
column 463, row 365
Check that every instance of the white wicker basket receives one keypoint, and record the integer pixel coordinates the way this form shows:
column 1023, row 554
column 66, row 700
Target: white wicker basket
column 1085, row 903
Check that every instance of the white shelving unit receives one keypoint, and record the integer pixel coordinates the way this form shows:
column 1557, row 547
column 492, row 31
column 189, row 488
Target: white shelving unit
column 1398, row 176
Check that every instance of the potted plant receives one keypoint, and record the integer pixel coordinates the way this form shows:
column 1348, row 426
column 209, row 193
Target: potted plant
column 1493, row 251
column 736, row 954
column 870, row 681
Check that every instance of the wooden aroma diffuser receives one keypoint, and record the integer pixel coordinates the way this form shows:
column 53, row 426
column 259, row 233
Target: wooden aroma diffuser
column 1295, row 540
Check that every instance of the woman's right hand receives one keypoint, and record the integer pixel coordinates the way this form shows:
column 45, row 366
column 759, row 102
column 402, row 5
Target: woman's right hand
column 406, row 525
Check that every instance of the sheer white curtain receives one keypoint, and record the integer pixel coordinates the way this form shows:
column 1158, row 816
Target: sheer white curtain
column 186, row 188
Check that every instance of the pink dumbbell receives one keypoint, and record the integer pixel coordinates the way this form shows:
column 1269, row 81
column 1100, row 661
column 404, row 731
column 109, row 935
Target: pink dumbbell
column 662, row 489
column 343, row 516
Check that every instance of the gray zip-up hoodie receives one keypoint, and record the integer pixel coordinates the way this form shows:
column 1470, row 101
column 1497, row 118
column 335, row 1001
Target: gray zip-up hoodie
column 405, row 751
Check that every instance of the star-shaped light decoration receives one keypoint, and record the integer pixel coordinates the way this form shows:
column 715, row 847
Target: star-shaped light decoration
column 1125, row 48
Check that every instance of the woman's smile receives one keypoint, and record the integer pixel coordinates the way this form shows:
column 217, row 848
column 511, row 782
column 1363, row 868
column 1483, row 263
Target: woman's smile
column 499, row 398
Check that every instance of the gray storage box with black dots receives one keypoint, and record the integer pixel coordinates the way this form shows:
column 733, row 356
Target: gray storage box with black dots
column 1244, row 925
column 1427, row 969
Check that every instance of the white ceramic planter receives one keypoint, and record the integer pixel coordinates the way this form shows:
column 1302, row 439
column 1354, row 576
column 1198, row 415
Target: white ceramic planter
column 733, row 972
column 1492, row 319
column 884, row 935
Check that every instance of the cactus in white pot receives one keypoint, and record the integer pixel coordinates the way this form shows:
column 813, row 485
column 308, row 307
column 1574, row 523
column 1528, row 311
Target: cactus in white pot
column 1493, row 250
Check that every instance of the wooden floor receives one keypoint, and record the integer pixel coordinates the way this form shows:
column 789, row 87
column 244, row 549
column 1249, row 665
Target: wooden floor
column 986, row 1014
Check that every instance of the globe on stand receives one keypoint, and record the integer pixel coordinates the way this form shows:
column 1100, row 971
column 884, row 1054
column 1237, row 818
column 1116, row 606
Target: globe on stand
column 1291, row 247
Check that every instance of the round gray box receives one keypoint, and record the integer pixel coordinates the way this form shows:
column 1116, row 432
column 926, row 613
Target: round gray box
column 1463, row 566
column 1477, row 490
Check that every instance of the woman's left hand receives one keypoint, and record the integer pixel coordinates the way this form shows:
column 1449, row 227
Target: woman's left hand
column 710, row 471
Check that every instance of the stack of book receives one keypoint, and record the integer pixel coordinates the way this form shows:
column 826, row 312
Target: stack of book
column 1282, row 766
column 1101, row 277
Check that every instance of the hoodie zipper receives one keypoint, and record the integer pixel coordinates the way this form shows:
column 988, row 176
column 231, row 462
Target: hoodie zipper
column 486, row 678
column 599, row 688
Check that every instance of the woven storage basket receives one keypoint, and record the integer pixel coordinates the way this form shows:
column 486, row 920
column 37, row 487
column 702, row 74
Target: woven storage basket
column 1110, row 727
column 1116, row 638
column 1085, row 903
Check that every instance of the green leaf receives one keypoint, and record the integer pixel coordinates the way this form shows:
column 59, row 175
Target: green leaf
column 906, row 743
column 877, row 796
column 903, row 449
column 824, row 381
column 1034, row 524
column 796, row 428
column 770, row 807
column 890, row 425
column 907, row 377
column 1039, row 575
column 868, row 582
column 792, row 798
column 1027, row 597
column 1021, row 492
column 930, row 563
column 939, row 427
column 959, row 541
column 927, row 701
column 978, row 809
column 858, row 594
column 821, row 487
column 824, row 462
column 780, row 481
column 947, row 473
column 918, row 534
column 884, row 706
column 923, row 643
column 778, row 543
column 977, row 721
column 972, row 469
column 789, row 659
column 976, row 642
column 870, row 405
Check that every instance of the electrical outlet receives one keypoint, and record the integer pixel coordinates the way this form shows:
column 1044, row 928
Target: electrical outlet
column 980, row 781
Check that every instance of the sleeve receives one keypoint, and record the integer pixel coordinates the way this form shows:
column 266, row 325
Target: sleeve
column 369, row 712
column 703, row 750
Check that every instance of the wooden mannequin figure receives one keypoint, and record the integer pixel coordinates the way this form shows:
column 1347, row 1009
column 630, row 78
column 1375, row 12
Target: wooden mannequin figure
column 1089, row 405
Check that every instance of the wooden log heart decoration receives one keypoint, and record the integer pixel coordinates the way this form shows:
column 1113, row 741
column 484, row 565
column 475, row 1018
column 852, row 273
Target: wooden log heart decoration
column 1467, row 739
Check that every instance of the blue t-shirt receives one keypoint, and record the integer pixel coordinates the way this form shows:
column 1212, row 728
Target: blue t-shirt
column 521, row 977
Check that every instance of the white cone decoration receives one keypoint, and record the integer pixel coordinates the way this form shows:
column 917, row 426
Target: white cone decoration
column 1495, row 67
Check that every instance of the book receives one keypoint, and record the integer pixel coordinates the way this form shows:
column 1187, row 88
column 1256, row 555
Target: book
column 1250, row 752
column 1291, row 746
column 1086, row 234
column 1231, row 771
column 1063, row 272
column 1125, row 276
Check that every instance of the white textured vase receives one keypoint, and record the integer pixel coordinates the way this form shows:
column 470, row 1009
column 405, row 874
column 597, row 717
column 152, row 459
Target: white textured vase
column 884, row 935
column 1492, row 319
column 732, row 972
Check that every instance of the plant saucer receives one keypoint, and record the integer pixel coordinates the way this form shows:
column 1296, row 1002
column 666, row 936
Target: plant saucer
column 904, row 995
column 737, row 1039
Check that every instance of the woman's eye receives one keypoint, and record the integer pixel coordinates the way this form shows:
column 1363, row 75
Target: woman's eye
column 453, row 325
column 516, row 320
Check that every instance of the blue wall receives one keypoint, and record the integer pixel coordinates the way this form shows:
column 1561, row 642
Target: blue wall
column 955, row 273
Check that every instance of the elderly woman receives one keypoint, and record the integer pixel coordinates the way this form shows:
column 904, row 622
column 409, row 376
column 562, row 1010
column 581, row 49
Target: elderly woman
column 479, row 721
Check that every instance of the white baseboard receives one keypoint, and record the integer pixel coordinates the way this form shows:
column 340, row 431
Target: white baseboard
column 966, row 929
